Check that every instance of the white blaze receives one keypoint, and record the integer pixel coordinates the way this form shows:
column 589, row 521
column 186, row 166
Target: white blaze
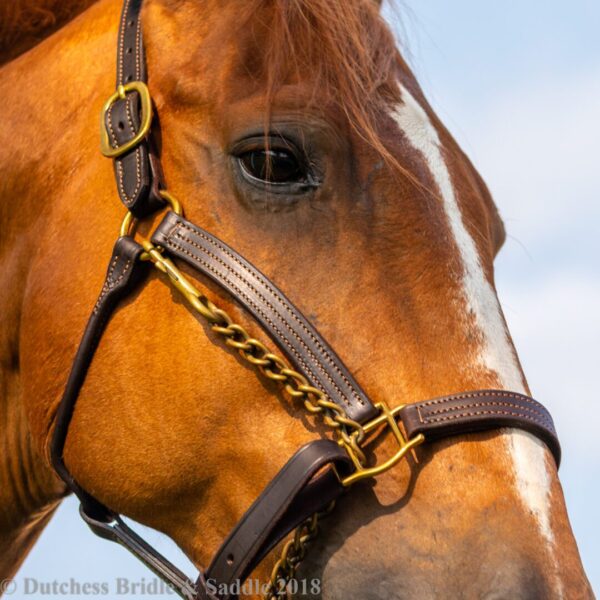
column 497, row 353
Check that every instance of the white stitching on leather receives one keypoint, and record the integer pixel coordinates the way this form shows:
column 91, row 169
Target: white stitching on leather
column 122, row 40
column 326, row 354
column 207, row 266
column 486, row 412
column 138, row 54
column 448, row 409
column 496, row 393
column 127, row 198
column 109, row 283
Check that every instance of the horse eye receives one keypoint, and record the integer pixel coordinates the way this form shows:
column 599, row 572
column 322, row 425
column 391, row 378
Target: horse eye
column 273, row 165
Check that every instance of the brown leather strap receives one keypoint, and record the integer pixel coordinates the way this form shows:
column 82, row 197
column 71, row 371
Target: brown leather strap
column 301, row 342
column 477, row 411
column 137, row 172
column 123, row 273
column 293, row 495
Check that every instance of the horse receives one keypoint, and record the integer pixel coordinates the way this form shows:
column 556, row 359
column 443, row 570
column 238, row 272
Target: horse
column 295, row 131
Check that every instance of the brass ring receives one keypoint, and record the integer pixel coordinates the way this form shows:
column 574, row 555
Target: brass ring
column 129, row 221
column 127, row 224
column 171, row 201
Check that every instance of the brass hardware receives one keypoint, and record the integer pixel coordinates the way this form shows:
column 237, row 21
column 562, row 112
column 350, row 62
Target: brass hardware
column 121, row 93
column 129, row 221
column 181, row 283
column 387, row 418
column 171, row 201
column 294, row 550
column 127, row 225
column 292, row 555
column 259, row 355
column 350, row 433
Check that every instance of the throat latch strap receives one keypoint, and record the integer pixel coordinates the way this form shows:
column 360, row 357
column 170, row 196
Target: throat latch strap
column 124, row 271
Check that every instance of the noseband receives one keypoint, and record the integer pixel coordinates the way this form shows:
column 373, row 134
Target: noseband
column 311, row 372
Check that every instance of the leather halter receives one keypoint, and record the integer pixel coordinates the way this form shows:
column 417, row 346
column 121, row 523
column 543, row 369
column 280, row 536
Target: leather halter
column 317, row 473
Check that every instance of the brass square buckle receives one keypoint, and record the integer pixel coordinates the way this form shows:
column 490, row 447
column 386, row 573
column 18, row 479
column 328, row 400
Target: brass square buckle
column 388, row 418
column 146, row 103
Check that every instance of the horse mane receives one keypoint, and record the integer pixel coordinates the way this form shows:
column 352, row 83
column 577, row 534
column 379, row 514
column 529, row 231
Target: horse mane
column 25, row 23
column 345, row 45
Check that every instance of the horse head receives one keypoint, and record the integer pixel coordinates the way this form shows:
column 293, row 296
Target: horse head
column 295, row 132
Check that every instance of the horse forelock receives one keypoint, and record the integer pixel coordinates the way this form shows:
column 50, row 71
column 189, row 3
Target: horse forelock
column 342, row 51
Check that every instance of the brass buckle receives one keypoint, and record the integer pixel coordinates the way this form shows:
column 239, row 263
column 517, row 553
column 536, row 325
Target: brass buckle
column 387, row 417
column 146, row 101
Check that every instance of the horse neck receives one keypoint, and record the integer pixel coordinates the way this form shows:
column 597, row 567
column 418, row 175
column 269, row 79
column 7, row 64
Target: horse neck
column 21, row 27
column 50, row 103
column 29, row 491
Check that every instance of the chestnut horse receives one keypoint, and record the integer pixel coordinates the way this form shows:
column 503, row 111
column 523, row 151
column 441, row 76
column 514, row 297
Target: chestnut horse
column 389, row 250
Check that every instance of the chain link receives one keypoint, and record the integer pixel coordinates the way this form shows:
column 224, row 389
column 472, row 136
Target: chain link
column 292, row 555
column 273, row 367
column 253, row 351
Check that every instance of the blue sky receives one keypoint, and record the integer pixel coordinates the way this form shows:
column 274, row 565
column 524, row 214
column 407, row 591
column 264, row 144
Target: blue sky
column 518, row 84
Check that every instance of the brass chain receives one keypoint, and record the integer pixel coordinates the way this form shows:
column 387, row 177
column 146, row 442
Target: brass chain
column 295, row 384
column 349, row 432
column 253, row 351
column 292, row 555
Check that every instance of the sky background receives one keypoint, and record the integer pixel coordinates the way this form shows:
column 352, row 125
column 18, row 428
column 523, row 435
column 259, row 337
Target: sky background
column 518, row 85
